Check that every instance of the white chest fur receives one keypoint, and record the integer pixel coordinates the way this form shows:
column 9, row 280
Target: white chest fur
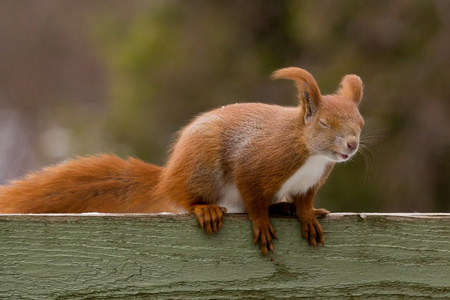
column 299, row 183
column 304, row 178
column 231, row 199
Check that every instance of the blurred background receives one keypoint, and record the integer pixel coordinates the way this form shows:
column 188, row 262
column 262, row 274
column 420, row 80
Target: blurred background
column 83, row 77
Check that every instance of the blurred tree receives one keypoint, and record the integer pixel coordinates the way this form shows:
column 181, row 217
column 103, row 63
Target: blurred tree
column 49, row 80
column 171, row 62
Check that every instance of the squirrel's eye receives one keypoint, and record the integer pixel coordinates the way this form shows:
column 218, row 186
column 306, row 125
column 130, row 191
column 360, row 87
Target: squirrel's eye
column 324, row 123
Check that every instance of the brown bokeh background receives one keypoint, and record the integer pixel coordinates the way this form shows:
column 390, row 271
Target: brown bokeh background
column 82, row 77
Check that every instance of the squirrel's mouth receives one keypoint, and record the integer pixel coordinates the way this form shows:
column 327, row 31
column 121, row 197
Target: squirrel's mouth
column 344, row 156
column 339, row 157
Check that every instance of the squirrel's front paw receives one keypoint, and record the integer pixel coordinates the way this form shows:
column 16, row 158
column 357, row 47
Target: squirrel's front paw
column 311, row 229
column 210, row 216
column 264, row 233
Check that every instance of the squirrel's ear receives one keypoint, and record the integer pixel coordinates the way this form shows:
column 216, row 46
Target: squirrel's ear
column 308, row 91
column 309, row 104
column 351, row 87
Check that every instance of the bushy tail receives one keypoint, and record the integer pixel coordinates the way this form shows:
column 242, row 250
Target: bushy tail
column 103, row 183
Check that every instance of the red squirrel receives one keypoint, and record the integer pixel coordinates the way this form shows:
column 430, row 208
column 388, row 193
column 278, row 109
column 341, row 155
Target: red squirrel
column 238, row 158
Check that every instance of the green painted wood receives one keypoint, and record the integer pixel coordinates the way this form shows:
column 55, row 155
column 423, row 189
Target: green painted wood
column 169, row 257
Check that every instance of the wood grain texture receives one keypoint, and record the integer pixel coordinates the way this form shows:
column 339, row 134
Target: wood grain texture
column 162, row 257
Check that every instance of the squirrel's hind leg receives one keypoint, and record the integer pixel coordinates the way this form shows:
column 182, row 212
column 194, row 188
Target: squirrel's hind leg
column 209, row 216
column 321, row 213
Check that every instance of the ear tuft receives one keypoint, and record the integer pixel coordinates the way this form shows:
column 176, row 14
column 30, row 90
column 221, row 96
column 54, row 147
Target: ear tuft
column 351, row 87
column 303, row 81
column 308, row 91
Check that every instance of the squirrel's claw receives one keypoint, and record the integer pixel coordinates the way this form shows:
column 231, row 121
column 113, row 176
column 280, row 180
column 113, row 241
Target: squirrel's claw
column 264, row 233
column 210, row 216
column 312, row 230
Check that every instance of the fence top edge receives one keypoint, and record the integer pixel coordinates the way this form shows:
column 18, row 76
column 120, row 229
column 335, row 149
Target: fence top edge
column 331, row 216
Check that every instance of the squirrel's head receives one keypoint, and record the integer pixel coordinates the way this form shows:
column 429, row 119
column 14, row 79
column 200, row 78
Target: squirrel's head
column 331, row 123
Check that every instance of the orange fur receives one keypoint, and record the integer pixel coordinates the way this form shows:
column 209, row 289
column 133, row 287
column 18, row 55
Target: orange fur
column 244, row 157
column 103, row 183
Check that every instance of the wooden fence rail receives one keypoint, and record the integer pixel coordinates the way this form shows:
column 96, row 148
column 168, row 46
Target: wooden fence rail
column 91, row 256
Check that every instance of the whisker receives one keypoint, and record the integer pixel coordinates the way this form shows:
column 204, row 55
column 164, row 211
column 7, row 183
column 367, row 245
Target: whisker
column 369, row 158
column 370, row 147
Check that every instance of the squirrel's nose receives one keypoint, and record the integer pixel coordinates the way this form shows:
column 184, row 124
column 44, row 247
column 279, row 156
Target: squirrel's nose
column 352, row 145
